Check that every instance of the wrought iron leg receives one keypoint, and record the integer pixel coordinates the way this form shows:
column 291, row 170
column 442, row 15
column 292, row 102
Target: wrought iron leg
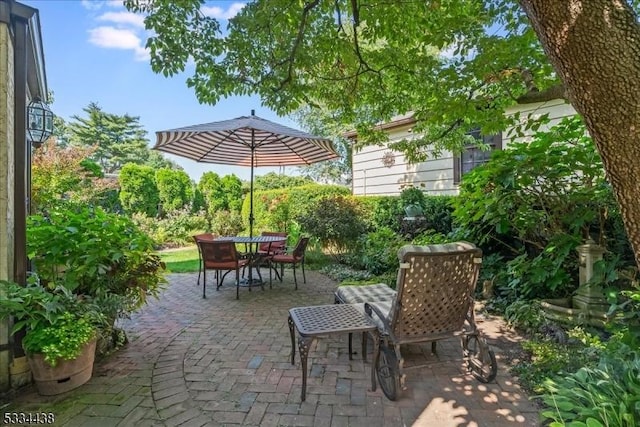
column 204, row 284
column 350, row 346
column 364, row 346
column 304, row 343
column 295, row 279
column 293, row 340
column 238, row 283
column 260, row 276
column 376, row 355
column 304, row 277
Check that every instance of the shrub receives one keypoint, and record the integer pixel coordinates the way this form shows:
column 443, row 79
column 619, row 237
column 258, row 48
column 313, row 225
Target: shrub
column 175, row 189
column 64, row 175
column 525, row 316
column 377, row 252
column 138, row 190
column 281, row 207
column 412, row 196
column 174, row 230
column 336, row 222
column 438, row 210
column 534, row 203
column 342, row 273
column 381, row 211
column 225, row 223
column 92, row 252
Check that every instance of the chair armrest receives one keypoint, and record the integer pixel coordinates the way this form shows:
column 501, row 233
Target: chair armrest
column 370, row 309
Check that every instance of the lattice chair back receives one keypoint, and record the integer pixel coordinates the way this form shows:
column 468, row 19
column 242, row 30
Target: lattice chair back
column 435, row 289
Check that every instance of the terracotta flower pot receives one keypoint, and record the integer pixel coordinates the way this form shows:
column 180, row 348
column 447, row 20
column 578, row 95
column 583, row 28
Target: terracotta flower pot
column 66, row 375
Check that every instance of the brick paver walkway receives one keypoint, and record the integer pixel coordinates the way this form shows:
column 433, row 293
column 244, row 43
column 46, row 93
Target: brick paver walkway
column 225, row 362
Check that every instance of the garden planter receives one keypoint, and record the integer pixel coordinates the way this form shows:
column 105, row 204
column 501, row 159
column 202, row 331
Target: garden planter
column 66, row 375
column 20, row 372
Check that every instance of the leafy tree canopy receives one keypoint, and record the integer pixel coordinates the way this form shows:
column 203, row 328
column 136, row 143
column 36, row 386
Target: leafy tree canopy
column 456, row 64
column 323, row 123
column 118, row 139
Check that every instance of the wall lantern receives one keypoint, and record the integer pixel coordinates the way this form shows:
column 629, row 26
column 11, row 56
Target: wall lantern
column 39, row 122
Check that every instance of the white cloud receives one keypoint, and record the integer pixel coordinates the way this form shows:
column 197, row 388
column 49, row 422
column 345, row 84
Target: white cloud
column 220, row 13
column 98, row 4
column 118, row 38
column 125, row 18
column 91, row 4
column 115, row 3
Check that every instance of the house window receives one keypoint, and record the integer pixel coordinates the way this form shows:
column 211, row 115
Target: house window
column 473, row 155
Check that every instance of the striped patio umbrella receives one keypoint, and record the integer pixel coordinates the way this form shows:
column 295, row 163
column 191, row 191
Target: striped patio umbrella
column 245, row 141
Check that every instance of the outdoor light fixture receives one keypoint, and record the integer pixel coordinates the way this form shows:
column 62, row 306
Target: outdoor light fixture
column 39, row 122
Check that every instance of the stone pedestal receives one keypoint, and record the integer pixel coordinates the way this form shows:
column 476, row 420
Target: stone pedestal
column 589, row 296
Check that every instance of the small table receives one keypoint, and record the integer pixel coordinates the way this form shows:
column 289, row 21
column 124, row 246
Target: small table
column 313, row 321
column 254, row 258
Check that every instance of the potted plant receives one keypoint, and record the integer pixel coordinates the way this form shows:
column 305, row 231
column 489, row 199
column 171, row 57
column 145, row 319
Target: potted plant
column 60, row 333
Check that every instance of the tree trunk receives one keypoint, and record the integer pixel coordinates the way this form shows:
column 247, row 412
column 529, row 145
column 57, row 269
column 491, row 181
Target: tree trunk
column 594, row 46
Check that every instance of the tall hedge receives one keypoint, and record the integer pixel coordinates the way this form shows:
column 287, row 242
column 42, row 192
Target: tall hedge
column 138, row 190
column 276, row 209
column 175, row 189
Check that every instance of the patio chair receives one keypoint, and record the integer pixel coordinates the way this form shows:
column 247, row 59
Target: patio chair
column 220, row 256
column 266, row 250
column 203, row 236
column 434, row 301
column 273, row 248
column 294, row 258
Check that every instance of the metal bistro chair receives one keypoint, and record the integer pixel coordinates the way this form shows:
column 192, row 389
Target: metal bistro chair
column 273, row 248
column 295, row 257
column 196, row 238
column 266, row 250
column 220, row 256
column 434, row 301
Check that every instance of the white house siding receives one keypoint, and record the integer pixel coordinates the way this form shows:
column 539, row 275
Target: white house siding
column 557, row 109
column 371, row 177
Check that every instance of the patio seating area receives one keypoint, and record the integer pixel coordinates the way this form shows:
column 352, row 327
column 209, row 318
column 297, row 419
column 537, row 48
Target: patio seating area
column 222, row 361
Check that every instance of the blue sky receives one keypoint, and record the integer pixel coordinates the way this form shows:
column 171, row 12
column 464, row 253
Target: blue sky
column 94, row 52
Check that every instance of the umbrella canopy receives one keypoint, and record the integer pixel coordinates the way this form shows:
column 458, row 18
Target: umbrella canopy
column 245, row 141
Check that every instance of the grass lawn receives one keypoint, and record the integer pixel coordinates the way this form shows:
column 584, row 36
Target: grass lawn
column 182, row 260
column 186, row 260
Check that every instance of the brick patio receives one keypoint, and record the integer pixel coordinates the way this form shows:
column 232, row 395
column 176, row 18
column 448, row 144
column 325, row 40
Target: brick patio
column 225, row 362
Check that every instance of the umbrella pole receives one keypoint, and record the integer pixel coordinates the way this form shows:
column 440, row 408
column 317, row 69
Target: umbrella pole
column 251, row 253
column 253, row 149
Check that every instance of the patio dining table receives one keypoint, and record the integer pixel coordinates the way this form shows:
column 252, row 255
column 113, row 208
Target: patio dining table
column 255, row 258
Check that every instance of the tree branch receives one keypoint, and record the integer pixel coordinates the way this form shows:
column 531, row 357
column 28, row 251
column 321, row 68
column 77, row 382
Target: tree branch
column 554, row 92
column 296, row 44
